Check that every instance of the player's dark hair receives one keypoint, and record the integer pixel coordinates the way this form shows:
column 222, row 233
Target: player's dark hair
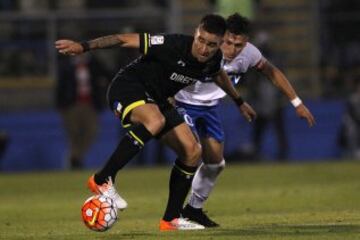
column 238, row 24
column 214, row 24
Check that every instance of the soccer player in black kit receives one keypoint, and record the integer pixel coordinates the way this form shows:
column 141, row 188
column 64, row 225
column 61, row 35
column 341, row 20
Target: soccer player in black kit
column 139, row 94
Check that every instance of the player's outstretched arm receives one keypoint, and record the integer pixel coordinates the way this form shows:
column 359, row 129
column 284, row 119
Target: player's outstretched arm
column 223, row 81
column 281, row 82
column 70, row 47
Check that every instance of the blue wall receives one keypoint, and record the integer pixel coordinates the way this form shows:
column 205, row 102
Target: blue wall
column 37, row 140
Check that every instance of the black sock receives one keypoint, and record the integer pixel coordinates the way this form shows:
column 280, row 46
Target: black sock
column 129, row 146
column 179, row 185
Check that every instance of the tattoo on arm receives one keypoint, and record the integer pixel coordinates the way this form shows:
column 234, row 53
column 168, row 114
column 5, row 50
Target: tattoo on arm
column 105, row 42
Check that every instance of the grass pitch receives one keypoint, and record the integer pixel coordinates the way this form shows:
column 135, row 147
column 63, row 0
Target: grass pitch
column 297, row 201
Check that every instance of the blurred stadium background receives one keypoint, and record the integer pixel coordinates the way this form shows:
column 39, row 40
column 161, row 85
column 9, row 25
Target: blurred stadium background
column 316, row 44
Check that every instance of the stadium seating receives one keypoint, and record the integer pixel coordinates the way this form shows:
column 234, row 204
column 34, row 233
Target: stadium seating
column 37, row 140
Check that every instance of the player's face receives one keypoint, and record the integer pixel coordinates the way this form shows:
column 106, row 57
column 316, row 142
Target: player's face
column 233, row 44
column 205, row 45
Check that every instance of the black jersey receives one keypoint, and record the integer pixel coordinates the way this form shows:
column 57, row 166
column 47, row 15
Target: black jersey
column 167, row 64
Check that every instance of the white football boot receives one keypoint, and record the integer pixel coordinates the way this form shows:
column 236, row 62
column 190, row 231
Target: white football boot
column 107, row 189
column 179, row 224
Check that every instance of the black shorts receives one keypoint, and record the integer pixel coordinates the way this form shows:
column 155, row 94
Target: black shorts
column 126, row 93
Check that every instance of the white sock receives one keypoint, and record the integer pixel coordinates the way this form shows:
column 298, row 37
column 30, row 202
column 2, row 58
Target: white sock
column 203, row 183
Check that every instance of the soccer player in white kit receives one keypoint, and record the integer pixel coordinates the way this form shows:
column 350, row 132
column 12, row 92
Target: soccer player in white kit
column 201, row 100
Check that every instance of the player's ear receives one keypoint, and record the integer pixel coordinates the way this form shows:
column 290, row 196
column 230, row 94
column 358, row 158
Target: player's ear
column 196, row 32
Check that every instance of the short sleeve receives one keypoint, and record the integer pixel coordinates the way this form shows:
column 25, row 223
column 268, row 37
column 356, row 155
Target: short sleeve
column 249, row 57
column 255, row 56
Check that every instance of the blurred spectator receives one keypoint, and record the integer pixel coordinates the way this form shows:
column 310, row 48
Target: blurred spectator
column 71, row 5
column 269, row 104
column 4, row 139
column 8, row 5
column 33, row 5
column 339, row 48
column 122, row 4
column 350, row 131
column 269, row 107
column 80, row 96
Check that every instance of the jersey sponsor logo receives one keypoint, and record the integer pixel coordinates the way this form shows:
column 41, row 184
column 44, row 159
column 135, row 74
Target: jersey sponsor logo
column 157, row 40
column 207, row 79
column 235, row 79
column 118, row 107
column 148, row 98
column 177, row 77
column 181, row 63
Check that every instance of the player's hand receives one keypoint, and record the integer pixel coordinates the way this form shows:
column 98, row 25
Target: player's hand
column 303, row 112
column 68, row 47
column 247, row 111
column 172, row 101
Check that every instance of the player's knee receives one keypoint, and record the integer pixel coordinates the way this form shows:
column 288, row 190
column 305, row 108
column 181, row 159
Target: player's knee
column 193, row 153
column 155, row 124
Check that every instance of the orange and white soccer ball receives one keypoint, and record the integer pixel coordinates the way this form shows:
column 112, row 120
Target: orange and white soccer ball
column 99, row 213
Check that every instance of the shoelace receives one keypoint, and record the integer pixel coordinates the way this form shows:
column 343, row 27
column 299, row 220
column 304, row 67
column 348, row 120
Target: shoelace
column 110, row 188
column 203, row 216
column 184, row 222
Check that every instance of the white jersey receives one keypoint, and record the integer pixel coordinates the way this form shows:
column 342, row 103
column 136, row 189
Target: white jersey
column 208, row 93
